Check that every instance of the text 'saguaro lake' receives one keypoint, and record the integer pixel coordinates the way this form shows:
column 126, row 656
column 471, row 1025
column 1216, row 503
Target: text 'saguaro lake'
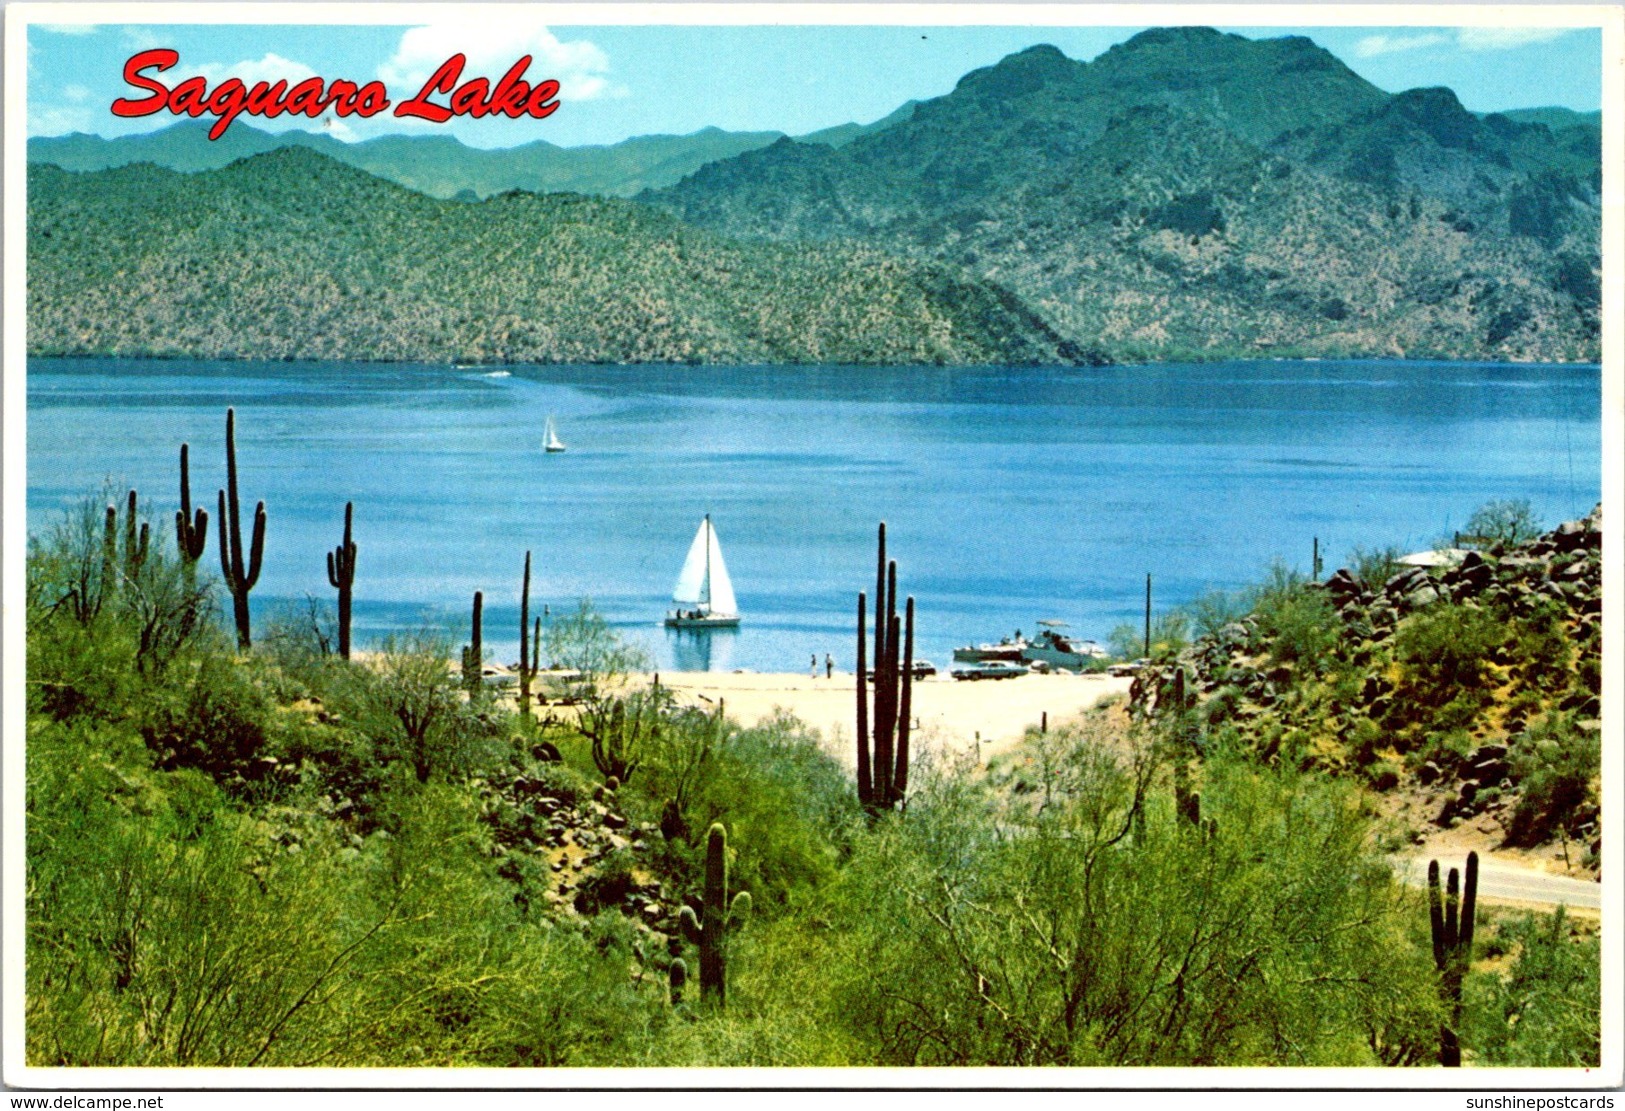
column 1011, row 495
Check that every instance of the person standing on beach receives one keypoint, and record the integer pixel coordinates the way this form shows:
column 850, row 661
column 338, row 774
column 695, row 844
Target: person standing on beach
column 829, row 666
column 812, row 672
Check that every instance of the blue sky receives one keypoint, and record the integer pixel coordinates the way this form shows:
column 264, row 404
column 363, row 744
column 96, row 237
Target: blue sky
column 621, row 81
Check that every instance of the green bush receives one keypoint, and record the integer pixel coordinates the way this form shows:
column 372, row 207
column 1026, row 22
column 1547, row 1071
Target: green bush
column 1546, row 1010
column 1556, row 767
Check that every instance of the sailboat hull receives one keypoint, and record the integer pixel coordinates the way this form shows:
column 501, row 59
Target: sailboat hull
column 706, row 621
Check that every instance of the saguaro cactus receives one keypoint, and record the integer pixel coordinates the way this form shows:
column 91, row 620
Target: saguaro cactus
column 1452, row 947
column 883, row 781
column 122, row 567
column 526, row 665
column 135, row 544
column 341, row 576
column 191, row 528
column 474, row 653
column 239, row 580
column 718, row 917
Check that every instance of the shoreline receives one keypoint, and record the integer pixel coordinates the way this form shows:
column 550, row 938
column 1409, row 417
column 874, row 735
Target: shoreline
column 948, row 713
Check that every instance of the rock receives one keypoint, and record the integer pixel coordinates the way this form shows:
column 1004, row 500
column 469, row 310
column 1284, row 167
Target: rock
column 614, row 821
column 1428, row 773
column 1385, row 780
column 1424, row 595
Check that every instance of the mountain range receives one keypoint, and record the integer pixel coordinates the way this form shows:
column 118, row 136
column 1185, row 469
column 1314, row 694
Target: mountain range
column 441, row 165
column 1187, row 194
column 1193, row 193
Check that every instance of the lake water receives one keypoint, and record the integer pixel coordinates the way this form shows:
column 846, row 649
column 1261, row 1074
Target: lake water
column 1011, row 495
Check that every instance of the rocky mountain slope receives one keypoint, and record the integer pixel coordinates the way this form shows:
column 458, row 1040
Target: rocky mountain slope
column 1474, row 689
column 1191, row 193
column 293, row 255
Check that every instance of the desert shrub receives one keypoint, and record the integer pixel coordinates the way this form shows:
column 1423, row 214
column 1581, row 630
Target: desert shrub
column 1444, row 654
column 1556, row 766
column 1213, row 610
column 217, row 722
column 1546, row 1010
column 1076, row 935
column 1296, row 624
column 787, row 806
column 1501, row 523
column 1374, row 566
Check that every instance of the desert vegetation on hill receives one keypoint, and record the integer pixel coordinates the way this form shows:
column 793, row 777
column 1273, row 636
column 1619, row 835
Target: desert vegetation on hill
column 274, row 855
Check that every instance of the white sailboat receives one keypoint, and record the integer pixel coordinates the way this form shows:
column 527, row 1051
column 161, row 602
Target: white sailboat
column 704, row 594
column 550, row 440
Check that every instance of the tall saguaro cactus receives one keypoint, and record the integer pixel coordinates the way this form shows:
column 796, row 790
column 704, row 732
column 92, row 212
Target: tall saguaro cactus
column 717, row 919
column 122, row 566
column 240, row 579
column 191, row 528
column 135, row 544
column 341, row 576
column 883, row 780
column 474, row 652
column 526, row 664
column 1452, row 947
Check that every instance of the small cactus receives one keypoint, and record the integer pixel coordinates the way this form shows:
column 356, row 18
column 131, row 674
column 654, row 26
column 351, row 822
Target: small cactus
column 122, row 566
column 1452, row 947
column 717, row 919
column 341, row 576
column 191, row 527
column 240, row 579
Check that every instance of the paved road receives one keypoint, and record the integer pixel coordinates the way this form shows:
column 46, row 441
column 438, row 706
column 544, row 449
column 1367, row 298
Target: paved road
column 1499, row 881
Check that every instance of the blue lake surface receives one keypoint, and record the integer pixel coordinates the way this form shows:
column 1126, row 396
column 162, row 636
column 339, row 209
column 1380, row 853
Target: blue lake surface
column 1010, row 494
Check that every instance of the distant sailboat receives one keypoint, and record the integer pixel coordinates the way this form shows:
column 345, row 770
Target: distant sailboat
column 551, row 441
column 704, row 594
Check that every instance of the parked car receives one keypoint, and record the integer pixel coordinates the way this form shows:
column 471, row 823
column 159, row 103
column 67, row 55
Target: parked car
column 922, row 669
column 992, row 669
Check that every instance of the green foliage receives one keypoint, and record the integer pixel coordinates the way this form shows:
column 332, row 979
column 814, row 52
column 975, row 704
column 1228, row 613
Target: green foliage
column 1213, row 610
column 1375, row 566
column 1093, row 939
column 1557, row 767
column 1444, row 654
column 1298, row 624
column 1546, row 1010
column 408, row 704
column 1502, row 523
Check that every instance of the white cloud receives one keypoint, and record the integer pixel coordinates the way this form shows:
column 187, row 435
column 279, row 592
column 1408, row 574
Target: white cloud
column 1506, row 38
column 492, row 45
column 68, row 28
column 58, row 121
column 270, row 69
column 76, row 93
column 139, row 38
column 1373, row 45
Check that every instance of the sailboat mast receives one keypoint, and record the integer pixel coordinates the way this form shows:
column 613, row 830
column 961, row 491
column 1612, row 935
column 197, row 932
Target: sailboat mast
column 706, row 600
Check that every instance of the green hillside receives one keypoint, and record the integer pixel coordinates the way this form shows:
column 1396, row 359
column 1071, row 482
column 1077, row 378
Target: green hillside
column 1194, row 193
column 292, row 255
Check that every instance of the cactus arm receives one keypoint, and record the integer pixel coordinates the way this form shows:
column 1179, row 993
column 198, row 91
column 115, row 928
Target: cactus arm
column 739, row 909
column 1469, row 907
column 225, row 540
column 257, row 548
column 1435, row 915
column 1452, row 900
column 691, row 924
column 865, row 783
column 906, row 706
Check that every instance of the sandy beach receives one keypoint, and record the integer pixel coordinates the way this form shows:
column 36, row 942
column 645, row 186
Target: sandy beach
column 947, row 713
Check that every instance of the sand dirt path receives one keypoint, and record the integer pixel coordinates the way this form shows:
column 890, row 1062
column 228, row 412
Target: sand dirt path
column 948, row 713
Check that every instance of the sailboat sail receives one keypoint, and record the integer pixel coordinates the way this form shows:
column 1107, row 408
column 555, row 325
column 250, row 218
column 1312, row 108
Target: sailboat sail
column 722, row 587
column 703, row 581
column 551, row 441
column 692, row 587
